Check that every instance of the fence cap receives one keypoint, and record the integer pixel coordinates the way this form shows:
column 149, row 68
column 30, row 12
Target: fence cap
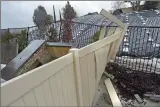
column 58, row 44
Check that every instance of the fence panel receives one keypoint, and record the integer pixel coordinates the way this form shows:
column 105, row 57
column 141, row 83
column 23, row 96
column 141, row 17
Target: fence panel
column 91, row 61
column 43, row 86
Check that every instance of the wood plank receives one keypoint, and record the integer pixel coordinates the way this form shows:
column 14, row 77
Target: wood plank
column 85, row 81
column 91, row 76
column 10, row 90
column 112, row 93
column 48, row 93
column 19, row 102
column 54, row 90
column 39, row 94
column 29, row 99
column 112, row 18
column 100, row 43
column 72, row 85
column 77, row 75
column 60, row 89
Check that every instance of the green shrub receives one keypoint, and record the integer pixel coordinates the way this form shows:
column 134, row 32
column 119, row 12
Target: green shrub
column 95, row 37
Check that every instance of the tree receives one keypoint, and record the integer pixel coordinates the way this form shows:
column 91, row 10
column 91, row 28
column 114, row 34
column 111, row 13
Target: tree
column 150, row 4
column 52, row 34
column 22, row 40
column 41, row 18
column 118, row 4
column 44, row 21
column 135, row 5
column 20, row 37
column 49, row 19
column 68, row 14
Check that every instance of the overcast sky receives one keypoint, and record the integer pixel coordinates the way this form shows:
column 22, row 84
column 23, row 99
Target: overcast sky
column 19, row 13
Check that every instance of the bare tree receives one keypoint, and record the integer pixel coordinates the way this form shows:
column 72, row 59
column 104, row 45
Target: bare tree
column 118, row 5
column 135, row 5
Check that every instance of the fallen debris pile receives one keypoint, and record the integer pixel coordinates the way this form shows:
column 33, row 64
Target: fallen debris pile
column 131, row 82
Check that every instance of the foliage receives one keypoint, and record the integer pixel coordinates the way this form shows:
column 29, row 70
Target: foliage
column 6, row 37
column 69, row 12
column 150, row 4
column 95, row 37
column 44, row 22
column 52, row 34
column 118, row 4
column 21, row 39
column 49, row 19
column 135, row 4
column 41, row 18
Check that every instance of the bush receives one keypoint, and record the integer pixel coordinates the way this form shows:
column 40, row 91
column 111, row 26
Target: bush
column 95, row 37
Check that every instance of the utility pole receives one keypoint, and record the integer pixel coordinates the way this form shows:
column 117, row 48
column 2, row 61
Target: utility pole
column 54, row 14
column 60, row 25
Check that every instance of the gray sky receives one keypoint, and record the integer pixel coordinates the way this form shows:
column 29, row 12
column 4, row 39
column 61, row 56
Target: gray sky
column 19, row 13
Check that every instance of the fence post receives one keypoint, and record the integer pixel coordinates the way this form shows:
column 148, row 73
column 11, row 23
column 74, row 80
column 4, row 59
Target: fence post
column 77, row 75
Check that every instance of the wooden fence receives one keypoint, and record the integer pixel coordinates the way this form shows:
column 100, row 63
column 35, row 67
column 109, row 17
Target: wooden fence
column 70, row 80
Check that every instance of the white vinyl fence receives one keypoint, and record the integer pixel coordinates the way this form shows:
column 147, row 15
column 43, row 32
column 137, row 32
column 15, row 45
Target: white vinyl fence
column 70, row 80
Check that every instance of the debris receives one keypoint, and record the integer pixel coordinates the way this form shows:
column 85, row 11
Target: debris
column 112, row 93
column 153, row 97
column 130, row 82
column 138, row 98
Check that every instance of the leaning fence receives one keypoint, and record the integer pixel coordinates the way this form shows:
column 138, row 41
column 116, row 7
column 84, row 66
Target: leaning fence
column 139, row 50
column 70, row 80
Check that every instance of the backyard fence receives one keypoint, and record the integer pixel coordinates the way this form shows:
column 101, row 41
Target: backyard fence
column 139, row 50
column 70, row 80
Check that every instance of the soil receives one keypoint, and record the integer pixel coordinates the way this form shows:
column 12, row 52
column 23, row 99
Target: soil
column 130, row 82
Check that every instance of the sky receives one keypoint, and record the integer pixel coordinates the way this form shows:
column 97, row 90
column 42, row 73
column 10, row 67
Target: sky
column 15, row 14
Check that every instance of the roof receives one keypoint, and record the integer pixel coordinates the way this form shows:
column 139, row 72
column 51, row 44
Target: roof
column 9, row 70
column 141, row 42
